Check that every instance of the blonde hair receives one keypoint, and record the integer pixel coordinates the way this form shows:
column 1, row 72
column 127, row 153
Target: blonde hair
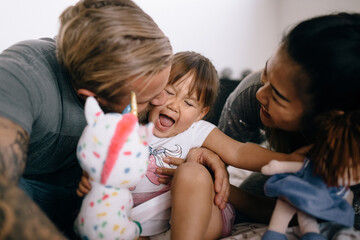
column 105, row 45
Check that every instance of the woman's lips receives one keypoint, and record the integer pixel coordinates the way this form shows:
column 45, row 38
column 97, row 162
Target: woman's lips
column 265, row 112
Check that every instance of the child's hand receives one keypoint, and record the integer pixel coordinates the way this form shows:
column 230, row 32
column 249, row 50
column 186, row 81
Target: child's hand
column 219, row 170
column 84, row 185
column 300, row 154
column 169, row 171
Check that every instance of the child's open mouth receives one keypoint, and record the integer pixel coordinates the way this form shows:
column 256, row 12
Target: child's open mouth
column 165, row 122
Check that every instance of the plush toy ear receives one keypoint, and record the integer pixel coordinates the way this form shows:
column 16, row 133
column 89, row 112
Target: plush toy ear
column 150, row 130
column 92, row 110
column 146, row 132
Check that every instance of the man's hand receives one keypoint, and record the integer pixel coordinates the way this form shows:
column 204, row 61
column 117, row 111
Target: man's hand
column 218, row 168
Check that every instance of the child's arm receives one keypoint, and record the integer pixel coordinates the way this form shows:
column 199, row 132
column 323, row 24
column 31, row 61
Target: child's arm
column 84, row 185
column 249, row 156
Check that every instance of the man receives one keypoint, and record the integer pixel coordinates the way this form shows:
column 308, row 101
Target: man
column 104, row 49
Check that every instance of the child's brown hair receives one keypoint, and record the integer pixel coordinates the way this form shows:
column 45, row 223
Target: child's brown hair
column 205, row 78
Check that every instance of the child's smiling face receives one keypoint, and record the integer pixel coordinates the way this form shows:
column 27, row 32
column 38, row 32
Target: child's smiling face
column 180, row 110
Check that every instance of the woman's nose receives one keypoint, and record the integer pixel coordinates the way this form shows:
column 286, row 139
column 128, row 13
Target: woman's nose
column 261, row 95
column 159, row 99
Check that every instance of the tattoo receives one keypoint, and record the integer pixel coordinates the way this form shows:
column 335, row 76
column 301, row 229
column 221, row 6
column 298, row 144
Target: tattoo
column 13, row 147
column 20, row 217
column 17, row 216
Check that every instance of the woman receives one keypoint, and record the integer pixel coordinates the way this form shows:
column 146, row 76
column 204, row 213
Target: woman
column 314, row 73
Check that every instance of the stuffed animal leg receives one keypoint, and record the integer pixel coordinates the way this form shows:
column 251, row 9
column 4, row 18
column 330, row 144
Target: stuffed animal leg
column 284, row 212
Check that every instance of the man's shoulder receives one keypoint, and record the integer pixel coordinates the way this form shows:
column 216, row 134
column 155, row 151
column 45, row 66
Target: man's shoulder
column 30, row 51
column 41, row 44
column 31, row 61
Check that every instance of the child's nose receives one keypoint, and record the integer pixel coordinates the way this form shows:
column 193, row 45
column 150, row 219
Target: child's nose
column 174, row 106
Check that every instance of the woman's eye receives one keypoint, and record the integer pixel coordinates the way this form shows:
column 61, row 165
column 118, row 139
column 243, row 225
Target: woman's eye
column 274, row 98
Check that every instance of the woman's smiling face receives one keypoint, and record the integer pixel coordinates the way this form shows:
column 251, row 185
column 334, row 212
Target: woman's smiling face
column 179, row 112
column 281, row 104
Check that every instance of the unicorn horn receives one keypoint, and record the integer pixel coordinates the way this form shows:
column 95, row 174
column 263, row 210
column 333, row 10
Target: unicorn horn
column 134, row 104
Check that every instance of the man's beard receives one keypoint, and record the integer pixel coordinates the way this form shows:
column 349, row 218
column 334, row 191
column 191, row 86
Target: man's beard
column 143, row 116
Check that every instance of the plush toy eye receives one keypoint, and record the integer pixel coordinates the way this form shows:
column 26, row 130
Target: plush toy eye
column 127, row 109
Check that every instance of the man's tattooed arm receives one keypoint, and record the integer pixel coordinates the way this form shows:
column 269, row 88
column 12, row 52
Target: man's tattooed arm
column 20, row 217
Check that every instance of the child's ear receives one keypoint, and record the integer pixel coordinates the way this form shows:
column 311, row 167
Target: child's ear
column 203, row 113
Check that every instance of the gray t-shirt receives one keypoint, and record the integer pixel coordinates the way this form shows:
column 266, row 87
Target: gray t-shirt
column 36, row 93
column 240, row 117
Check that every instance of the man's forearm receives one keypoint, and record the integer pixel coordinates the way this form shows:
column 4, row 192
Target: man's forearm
column 20, row 218
column 13, row 149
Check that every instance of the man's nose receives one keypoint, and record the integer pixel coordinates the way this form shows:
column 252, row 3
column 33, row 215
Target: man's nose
column 159, row 99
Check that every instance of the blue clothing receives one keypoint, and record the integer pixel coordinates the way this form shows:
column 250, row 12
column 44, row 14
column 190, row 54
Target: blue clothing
column 272, row 235
column 310, row 194
column 61, row 204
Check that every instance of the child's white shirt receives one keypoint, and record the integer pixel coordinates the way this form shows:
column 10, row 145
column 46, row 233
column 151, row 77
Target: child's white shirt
column 154, row 214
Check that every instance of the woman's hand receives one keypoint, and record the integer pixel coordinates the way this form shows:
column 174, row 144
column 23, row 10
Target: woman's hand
column 84, row 185
column 212, row 161
column 169, row 172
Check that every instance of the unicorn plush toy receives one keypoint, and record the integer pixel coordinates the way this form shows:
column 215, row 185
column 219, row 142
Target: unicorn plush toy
column 113, row 151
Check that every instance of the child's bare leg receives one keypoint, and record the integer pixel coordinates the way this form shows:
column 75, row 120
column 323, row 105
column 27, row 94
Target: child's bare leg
column 194, row 214
column 281, row 216
column 307, row 223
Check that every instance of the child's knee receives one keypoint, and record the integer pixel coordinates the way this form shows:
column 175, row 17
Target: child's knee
column 193, row 174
